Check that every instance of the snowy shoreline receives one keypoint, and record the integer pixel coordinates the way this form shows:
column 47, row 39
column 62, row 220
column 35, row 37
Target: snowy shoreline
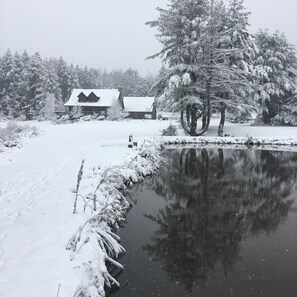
column 95, row 243
column 233, row 142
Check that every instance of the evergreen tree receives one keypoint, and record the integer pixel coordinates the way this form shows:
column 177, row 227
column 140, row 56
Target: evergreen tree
column 21, row 79
column 209, row 56
column 288, row 113
column 181, row 29
column 51, row 84
column 62, row 72
column 276, row 88
column 73, row 81
column 239, row 69
column 135, row 86
column 36, row 78
column 7, row 84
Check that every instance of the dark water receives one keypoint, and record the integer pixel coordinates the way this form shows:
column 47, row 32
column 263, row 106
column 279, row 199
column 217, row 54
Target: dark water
column 214, row 223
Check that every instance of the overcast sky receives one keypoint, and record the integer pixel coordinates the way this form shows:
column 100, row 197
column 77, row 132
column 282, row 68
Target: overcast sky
column 110, row 34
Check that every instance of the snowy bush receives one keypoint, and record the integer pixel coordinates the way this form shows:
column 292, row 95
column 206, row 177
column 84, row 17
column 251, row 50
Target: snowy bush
column 65, row 119
column 115, row 112
column 75, row 113
column 171, row 130
column 87, row 118
column 10, row 136
column 48, row 111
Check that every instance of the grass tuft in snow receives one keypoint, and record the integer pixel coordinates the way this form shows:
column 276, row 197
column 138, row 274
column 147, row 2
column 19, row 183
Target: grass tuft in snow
column 79, row 177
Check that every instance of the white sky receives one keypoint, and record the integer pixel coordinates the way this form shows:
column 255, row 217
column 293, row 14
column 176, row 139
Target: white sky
column 110, row 34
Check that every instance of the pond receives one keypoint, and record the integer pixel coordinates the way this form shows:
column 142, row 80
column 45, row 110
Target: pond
column 213, row 223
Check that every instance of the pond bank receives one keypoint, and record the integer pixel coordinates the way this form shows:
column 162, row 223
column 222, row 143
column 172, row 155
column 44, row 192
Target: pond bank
column 247, row 141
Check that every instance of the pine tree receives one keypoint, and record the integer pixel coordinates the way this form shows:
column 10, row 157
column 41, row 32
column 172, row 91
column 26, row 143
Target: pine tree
column 63, row 75
column 238, row 68
column 277, row 58
column 36, row 78
column 209, row 57
column 21, row 79
column 134, row 84
column 73, row 81
column 288, row 113
column 181, row 29
column 7, row 84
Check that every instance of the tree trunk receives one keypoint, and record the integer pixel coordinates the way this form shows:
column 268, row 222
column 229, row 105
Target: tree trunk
column 188, row 113
column 222, row 121
column 193, row 126
column 266, row 118
column 221, row 169
column 203, row 120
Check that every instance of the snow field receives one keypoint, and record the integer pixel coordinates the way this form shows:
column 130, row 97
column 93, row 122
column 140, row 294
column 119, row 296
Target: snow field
column 37, row 203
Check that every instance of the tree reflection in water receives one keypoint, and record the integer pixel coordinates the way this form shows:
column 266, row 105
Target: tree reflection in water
column 215, row 199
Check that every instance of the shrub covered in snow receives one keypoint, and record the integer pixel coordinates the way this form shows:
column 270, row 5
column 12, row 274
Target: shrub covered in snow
column 171, row 130
column 10, row 136
column 115, row 112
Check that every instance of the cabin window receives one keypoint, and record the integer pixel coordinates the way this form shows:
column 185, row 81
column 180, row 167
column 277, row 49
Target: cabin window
column 93, row 98
column 82, row 97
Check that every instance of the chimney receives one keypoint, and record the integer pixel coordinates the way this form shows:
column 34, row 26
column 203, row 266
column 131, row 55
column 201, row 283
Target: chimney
column 121, row 96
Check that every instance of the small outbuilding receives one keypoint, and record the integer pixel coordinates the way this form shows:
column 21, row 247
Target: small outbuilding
column 140, row 107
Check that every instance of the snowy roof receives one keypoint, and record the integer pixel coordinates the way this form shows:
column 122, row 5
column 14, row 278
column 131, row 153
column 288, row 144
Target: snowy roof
column 139, row 104
column 106, row 97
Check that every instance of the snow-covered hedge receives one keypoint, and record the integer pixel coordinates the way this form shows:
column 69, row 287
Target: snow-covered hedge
column 94, row 244
column 11, row 135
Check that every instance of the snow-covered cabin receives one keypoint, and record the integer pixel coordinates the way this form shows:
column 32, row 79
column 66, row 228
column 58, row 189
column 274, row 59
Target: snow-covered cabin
column 94, row 100
column 98, row 101
column 140, row 107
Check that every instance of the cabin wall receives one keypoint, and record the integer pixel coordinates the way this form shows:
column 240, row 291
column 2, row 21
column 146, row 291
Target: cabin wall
column 138, row 115
column 90, row 110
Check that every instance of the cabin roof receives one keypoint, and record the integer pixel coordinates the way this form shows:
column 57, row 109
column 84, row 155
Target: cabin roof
column 138, row 104
column 106, row 97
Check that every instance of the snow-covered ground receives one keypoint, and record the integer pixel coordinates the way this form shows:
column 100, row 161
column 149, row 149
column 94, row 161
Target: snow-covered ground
column 36, row 201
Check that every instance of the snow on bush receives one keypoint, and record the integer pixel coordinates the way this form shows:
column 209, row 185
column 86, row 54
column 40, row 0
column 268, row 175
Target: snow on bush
column 11, row 135
column 94, row 244
column 115, row 112
column 48, row 110
column 171, row 130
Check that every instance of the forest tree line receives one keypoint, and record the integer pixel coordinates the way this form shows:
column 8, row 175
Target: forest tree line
column 32, row 80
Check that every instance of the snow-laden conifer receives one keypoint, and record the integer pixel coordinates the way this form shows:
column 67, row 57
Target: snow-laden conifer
column 36, row 77
column 209, row 55
column 276, row 89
